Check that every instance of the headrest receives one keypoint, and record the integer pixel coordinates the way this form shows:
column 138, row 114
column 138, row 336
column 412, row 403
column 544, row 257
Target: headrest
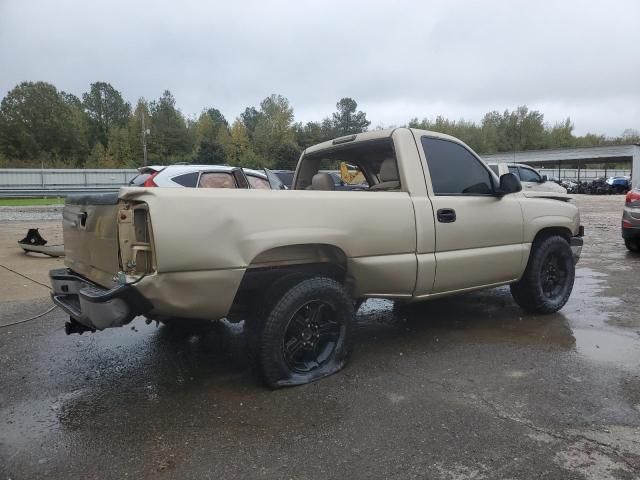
column 322, row 181
column 388, row 170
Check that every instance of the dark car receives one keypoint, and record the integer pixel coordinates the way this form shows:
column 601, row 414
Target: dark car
column 285, row 176
column 631, row 220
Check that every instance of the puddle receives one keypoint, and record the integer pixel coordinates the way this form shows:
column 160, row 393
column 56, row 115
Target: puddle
column 592, row 318
column 609, row 347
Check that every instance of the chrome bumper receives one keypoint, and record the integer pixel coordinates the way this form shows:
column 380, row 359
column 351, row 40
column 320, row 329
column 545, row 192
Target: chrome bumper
column 94, row 306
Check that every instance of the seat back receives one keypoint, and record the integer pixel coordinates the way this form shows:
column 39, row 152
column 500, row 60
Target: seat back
column 322, row 181
column 389, row 178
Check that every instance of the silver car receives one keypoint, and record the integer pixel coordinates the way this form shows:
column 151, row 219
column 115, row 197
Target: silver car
column 631, row 220
column 529, row 177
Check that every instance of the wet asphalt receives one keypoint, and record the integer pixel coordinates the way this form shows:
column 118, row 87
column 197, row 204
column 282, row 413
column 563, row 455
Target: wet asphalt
column 467, row 387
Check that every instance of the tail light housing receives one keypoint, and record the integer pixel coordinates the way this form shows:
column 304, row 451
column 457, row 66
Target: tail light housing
column 632, row 197
column 135, row 239
column 149, row 181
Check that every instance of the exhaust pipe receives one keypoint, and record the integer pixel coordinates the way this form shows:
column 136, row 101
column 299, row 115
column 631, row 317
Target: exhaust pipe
column 73, row 326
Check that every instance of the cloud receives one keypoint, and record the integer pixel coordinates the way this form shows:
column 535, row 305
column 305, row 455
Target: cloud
column 398, row 60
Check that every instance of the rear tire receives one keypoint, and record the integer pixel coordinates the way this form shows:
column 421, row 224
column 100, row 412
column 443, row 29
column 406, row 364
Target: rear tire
column 305, row 333
column 633, row 244
column 548, row 280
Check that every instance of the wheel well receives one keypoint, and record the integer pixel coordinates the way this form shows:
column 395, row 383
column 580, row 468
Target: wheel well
column 550, row 231
column 271, row 265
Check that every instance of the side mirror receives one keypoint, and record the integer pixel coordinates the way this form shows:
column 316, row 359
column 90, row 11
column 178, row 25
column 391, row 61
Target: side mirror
column 509, row 183
column 543, row 179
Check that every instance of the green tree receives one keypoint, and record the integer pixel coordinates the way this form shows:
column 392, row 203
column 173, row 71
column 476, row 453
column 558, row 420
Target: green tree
column 105, row 109
column 119, row 152
column 217, row 118
column 312, row 133
column 250, row 118
column 97, row 157
column 169, row 140
column 522, row 129
column 38, row 122
column 211, row 133
column 236, row 145
column 347, row 120
column 134, row 131
column 273, row 130
column 560, row 135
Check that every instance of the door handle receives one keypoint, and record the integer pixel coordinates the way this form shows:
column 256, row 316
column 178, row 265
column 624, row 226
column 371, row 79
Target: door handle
column 446, row 215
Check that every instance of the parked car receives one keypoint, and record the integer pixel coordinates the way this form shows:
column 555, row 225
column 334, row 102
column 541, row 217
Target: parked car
column 529, row 177
column 285, row 176
column 293, row 264
column 631, row 220
column 619, row 185
column 203, row 176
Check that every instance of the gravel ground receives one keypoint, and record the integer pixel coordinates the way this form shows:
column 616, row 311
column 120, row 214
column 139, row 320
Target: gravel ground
column 31, row 213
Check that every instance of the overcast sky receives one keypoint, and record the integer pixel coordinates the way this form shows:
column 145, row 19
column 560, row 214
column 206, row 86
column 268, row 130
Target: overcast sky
column 397, row 59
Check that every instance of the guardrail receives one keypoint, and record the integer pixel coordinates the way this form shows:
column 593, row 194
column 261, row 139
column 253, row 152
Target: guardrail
column 60, row 182
column 52, row 192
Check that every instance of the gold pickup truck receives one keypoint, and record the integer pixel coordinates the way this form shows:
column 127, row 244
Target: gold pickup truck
column 430, row 220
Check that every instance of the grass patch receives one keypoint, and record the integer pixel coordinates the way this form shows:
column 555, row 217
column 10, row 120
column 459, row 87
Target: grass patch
column 21, row 202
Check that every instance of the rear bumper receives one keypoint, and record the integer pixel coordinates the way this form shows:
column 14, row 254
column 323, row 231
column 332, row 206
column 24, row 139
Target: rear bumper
column 630, row 233
column 94, row 306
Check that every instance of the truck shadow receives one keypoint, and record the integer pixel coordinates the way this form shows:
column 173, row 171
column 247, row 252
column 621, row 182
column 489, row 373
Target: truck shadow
column 484, row 316
column 209, row 365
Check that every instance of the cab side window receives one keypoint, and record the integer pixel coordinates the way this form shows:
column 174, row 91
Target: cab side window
column 455, row 170
column 514, row 170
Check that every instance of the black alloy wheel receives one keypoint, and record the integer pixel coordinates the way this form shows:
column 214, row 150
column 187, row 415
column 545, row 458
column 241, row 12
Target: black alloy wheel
column 311, row 336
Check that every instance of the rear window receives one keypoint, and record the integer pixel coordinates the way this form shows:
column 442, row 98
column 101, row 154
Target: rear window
column 352, row 167
column 187, row 179
column 138, row 180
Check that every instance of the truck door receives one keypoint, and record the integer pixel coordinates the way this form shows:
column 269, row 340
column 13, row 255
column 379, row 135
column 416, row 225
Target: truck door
column 479, row 235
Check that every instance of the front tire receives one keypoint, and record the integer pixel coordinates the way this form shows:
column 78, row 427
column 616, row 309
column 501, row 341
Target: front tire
column 632, row 244
column 307, row 333
column 548, row 279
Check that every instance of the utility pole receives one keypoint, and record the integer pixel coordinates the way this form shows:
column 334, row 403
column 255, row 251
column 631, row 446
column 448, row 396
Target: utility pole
column 144, row 139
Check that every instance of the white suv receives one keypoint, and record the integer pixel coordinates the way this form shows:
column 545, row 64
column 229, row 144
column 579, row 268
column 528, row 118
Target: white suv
column 203, row 176
column 529, row 177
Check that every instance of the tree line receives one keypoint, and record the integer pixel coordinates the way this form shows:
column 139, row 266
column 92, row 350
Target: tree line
column 42, row 126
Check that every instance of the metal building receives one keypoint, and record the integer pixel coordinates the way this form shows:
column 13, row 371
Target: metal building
column 575, row 157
